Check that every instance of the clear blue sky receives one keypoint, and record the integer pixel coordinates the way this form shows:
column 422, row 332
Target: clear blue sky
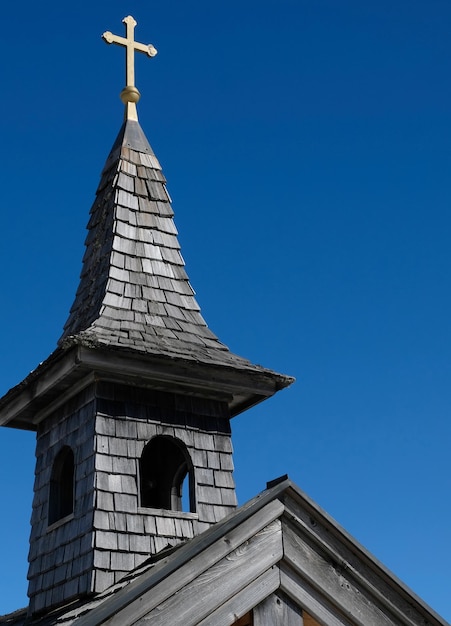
column 307, row 147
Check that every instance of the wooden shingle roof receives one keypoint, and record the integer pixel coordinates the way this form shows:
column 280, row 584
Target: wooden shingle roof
column 134, row 291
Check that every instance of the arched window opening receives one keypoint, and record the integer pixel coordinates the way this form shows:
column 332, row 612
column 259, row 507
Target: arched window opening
column 61, row 497
column 166, row 476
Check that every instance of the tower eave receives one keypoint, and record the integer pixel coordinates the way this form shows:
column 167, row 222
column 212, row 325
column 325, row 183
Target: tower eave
column 69, row 370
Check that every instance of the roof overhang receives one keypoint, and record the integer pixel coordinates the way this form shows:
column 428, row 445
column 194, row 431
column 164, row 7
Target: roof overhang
column 67, row 371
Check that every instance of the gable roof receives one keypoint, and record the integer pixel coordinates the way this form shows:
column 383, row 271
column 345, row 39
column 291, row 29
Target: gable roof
column 280, row 541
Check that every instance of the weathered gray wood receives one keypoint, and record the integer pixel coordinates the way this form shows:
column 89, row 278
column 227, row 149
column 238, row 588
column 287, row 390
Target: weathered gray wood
column 309, row 620
column 112, row 269
column 277, row 610
column 129, row 168
column 188, row 563
column 310, row 599
column 165, row 526
column 367, row 573
column 140, row 187
column 335, row 583
column 53, row 546
column 127, row 200
column 125, row 182
column 318, row 573
column 245, row 600
column 220, row 582
column 209, row 495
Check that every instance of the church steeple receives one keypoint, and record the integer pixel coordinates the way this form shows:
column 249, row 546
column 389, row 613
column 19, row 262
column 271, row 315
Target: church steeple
column 132, row 410
column 134, row 291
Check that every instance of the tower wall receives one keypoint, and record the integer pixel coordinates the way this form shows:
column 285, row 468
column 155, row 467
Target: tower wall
column 127, row 418
column 61, row 555
column 108, row 534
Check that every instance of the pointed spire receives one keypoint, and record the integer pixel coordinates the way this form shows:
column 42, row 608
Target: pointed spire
column 134, row 291
column 135, row 314
column 130, row 94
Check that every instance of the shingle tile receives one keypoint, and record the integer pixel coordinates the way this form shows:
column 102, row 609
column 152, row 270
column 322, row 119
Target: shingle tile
column 134, row 289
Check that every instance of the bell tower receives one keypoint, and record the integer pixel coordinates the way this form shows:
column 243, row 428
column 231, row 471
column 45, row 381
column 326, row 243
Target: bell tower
column 132, row 410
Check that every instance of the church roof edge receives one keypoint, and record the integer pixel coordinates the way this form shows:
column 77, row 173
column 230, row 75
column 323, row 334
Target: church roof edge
column 71, row 367
column 338, row 565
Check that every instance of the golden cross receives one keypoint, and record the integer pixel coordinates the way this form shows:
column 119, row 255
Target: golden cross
column 130, row 95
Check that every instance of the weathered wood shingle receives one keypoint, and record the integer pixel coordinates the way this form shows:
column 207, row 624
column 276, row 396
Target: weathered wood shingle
column 134, row 291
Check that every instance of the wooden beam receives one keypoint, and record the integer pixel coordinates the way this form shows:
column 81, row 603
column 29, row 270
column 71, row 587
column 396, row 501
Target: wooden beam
column 242, row 603
column 181, row 568
column 311, row 600
column 358, row 566
column 335, row 583
column 219, row 583
column 278, row 610
column 308, row 620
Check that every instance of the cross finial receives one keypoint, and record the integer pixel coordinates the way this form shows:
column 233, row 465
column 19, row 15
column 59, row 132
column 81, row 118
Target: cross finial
column 130, row 95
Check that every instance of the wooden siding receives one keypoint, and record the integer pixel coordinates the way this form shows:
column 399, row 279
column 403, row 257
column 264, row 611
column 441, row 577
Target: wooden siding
column 346, row 575
column 107, row 426
column 277, row 610
column 221, row 581
column 308, row 620
column 245, row 599
column 279, row 557
column 190, row 564
column 60, row 556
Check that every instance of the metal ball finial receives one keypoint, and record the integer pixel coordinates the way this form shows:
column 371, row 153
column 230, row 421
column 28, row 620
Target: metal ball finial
column 130, row 94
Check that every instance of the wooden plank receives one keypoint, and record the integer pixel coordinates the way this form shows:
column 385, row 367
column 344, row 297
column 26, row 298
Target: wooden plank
column 278, row 610
column 127, row 167
column 309, row 621
column 372, row 576
column 310, row 599
column 140, row 187
column 188, row 562
column 126, row 200
column 125, row 182
column 335, row 583
column 220, row 582
column 244, row 601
